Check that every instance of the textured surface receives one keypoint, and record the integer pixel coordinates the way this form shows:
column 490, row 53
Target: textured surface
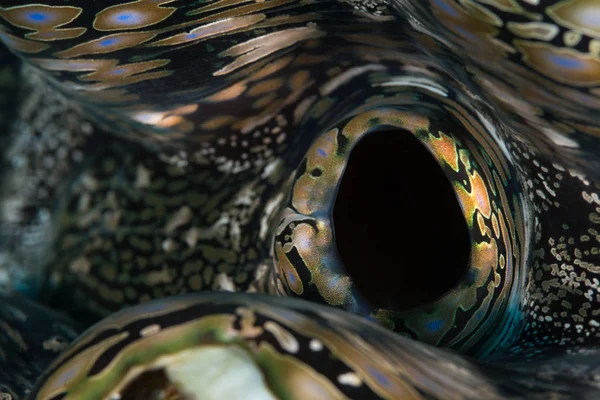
column 303, row 350
column 161, row 147
column 31, row 336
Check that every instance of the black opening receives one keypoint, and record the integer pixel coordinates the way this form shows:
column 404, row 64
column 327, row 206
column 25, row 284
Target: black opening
column 151, row 385
column 399, row 229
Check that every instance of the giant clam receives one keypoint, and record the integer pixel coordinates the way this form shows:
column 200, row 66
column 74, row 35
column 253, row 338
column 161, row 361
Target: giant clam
column 428, row 166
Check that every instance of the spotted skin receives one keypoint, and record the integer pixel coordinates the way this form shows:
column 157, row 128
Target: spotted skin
column 166, row 231
column 31, row 337
column 165, row 147
column 291, row 341
column 315, row 271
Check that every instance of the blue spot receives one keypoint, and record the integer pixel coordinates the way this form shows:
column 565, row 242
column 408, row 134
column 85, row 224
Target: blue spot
column 565, row 61
column 435, row 325
column 322, row 152
column 378, row 376
column 446, row 8
column 589, row 18
column 466, row 34
column 37, row 16
column 118, row 71
column 291, row 278
column 124, row 17
column 191, row 36
column 471, row 276
column 107, row 42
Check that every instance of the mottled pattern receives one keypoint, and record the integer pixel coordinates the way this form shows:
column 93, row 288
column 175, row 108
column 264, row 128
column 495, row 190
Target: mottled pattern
column 155, row 148
column 304, row 351
column 31, row 336
column 483, row 184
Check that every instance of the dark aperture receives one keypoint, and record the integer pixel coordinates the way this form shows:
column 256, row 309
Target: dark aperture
column 399, row 228
column 151, row 385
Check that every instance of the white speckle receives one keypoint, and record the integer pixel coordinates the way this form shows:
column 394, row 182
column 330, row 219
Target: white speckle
column 181, row 217
column 350, row 379
column 270, row 168
column 348, row 75
column 223, row 283
column 80, row 266
column 559, row 139
column 150, row 330
column 285, row 339
column 55, row 344
column 552, row 192
column 315, row 345
column 422, row 83
column 168, row 245
column 142, row 178
column 191, row 236
column 270, row 207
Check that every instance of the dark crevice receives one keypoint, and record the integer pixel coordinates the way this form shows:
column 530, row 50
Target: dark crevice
column 151, row 385
column 399, row 228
